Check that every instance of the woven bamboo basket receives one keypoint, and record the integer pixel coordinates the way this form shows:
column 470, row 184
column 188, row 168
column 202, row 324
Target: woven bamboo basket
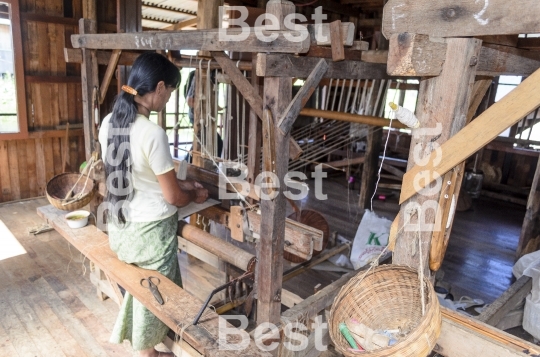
column 59, row 186
column 388, row 297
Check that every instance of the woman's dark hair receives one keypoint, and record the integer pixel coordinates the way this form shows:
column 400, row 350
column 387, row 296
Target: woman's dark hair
column 148, row 70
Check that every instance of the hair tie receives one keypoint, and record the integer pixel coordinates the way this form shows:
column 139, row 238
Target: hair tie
column 129, row 90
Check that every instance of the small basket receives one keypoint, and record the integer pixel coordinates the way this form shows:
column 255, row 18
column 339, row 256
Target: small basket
column 59, row 186
column 388, row 297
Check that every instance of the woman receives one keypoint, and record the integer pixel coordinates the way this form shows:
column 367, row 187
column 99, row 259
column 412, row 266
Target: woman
column 143, row 189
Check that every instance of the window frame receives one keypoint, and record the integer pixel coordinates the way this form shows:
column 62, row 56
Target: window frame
column 18, row 63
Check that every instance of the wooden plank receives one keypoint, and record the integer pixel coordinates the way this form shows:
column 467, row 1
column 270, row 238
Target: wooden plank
column 325, row 52
column 41, row 338
column 497, row 118
column 352, row 118
column 338, row 52
column 94, row 244
column 282, row 65
column 40, row 167
column 514, row 295
column 277, row 95
column 444, row 118
column 300, row 99
column 255, row 130
column 206, row 40
column 462, row 336
column 52, row 79
column 530, row 229
column 31, row 167
column 446, row 18
column 370, row 168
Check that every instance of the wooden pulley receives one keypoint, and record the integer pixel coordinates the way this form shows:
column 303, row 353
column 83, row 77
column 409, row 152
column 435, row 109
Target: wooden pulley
column 309, row 218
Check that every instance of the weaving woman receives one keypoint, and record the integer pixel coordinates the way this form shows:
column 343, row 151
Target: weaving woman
column 143, row 189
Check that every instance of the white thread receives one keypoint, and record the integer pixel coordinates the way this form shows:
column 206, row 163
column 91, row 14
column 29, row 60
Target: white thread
column 406, row 117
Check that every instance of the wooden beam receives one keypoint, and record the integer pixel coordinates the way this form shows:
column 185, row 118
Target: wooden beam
column 54, row 133
column 206, row 40
column 443, row 106
column 277, row 95
column 90, row 80
column 282, row 65
column 52, row 79
column 446, row 18
column 418, row 55
column 74, row 55
column 530, row 230
column 94, row 244
column 303, row 95
column 111, row 68
column 415, row 55
column 509, row 110
column 514, row 295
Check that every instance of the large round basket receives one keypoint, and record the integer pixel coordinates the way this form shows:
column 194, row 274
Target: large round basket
column 387, row 298
column 59, row 186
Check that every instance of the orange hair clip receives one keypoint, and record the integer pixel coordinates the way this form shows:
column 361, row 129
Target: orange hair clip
column 129, row 90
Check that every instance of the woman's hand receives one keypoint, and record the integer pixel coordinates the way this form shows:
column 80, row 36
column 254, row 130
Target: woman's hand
column 181, row 193
column 201, row 195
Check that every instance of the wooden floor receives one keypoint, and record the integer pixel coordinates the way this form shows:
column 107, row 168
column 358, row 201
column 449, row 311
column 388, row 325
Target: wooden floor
column 48, row 307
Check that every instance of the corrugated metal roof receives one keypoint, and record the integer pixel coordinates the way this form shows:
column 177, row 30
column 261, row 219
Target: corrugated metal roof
column 160, row 14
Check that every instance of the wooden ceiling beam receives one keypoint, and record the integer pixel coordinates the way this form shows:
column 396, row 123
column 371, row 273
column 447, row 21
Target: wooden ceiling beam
column 448, row 18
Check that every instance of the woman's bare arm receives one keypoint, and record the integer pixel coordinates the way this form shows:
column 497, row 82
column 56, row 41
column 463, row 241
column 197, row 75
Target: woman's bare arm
column 175, row 195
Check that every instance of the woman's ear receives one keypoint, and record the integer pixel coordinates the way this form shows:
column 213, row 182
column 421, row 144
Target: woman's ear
column 161, row 86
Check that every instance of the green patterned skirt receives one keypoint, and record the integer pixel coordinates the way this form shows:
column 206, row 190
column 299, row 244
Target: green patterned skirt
column 153, row 246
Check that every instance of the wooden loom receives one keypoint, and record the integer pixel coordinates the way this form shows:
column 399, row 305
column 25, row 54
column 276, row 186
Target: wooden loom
column 277, row 69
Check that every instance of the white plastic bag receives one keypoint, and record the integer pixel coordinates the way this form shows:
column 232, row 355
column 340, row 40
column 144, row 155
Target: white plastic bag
column 524, row 262
column 370, row 240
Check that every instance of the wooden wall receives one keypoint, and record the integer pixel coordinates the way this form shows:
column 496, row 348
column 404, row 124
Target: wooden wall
column 53, row 98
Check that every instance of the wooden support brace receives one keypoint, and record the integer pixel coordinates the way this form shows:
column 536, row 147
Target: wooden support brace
column 497, row 118
column 182, row 24
column 303, row 95
column 254, row 100
column 515, row 294
column 338, row 52
column 111, row 68
column 322, row 33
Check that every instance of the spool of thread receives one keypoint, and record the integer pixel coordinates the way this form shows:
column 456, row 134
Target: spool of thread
column 405, row 116
column 346, row 333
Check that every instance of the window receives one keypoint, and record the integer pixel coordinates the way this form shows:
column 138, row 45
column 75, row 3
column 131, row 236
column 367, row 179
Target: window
column 13, row 124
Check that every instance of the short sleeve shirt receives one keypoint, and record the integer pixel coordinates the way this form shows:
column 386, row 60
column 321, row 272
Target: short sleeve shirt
column 150, row 156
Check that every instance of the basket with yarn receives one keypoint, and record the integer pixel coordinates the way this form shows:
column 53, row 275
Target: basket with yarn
column 380, row 312
column 70, row 191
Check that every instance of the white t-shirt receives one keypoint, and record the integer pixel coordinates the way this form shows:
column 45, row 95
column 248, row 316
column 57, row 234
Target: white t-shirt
column 151, row 156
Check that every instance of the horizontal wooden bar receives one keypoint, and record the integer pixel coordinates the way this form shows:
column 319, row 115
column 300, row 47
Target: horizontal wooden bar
column 52, row 79
column 352, row 118
column 42, row 134
column 282, row 65
column 205, row 40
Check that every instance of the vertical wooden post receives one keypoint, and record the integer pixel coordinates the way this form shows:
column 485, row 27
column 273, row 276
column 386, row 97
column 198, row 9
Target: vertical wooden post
column 529, row 240
column 255, row 132
column 370, row 167
column 128, row 19
column 277, row 96
column 442, row 110
column 89, row 80
column 207, row 18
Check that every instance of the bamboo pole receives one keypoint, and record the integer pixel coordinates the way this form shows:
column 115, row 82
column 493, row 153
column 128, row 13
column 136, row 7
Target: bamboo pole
column 352, row 118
